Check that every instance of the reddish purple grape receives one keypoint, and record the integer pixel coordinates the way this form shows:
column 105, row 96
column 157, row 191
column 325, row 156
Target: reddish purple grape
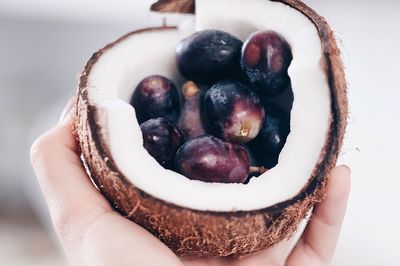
column 190, row 122
column 156, row 96
column 233, row 112
column 208, row 56
column 265, row 59
column 269, row 143
column 210, row 159
column 161, row 139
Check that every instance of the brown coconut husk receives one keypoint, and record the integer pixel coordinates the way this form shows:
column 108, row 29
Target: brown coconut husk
column 174, row 6
column 193, row 233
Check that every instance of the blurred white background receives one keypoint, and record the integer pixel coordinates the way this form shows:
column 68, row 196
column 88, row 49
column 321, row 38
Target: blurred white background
column 44, row 44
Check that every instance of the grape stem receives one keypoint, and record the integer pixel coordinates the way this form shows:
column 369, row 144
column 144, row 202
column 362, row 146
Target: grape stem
column 258, row 170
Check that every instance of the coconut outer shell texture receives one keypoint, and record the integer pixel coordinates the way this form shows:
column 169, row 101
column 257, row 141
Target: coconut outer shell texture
column 192, row 233
column 174, row 6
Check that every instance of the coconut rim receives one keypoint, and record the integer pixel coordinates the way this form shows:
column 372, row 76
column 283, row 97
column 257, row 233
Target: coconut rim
column 335, row 135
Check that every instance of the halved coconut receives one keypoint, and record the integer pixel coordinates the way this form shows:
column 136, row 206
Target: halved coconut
column 209, row 219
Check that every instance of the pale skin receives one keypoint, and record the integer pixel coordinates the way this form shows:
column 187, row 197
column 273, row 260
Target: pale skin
column 92, row 233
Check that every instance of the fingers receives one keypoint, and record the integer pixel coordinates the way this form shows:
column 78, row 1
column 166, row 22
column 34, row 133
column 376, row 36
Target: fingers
column 90, row 232
column 70, row 195
column 317, row 245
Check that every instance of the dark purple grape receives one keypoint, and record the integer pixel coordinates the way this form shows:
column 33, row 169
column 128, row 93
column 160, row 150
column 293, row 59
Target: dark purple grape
column 265, row 59
column 269, row 143
column 233, row 112
column 210, row 159
column 190, row 122
column 252, row 158
column 161, row 139
column 208, row 56
column 156, row 96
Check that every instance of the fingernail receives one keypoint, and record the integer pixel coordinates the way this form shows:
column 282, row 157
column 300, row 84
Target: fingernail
column 67, row 109
column 347, row 168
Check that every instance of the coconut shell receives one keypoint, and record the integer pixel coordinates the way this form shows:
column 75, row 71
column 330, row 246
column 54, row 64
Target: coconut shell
column 174, row 6
column 193, row 233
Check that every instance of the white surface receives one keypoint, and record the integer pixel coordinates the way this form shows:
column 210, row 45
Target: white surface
column 370, row 34
column 120, row 69
column 87, row 10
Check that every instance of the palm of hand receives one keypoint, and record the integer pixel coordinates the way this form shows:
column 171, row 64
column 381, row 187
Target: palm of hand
column 93, row 234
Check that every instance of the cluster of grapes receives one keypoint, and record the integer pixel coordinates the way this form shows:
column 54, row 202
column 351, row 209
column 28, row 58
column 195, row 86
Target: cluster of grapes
column 219, row 127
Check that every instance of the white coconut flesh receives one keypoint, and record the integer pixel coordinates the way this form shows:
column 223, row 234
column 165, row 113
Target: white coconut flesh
column 114, row 77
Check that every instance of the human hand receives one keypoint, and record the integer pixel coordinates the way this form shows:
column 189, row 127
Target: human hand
column 91, row 233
